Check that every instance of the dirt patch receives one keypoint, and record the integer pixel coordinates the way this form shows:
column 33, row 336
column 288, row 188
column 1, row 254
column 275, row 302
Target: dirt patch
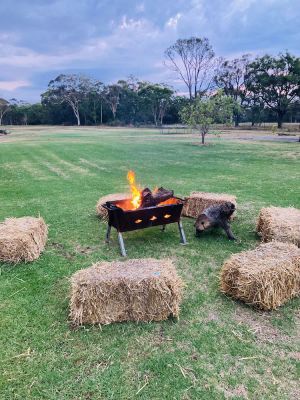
column 61, row 250
column 85, row 249
column 259, row 324
column 239, row 391
column 295, row 355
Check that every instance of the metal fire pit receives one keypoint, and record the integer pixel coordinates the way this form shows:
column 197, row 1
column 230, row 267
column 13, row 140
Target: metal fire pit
column 131, row 220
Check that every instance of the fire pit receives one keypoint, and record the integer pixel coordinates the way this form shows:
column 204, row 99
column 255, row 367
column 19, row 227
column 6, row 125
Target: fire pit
column 143, row 210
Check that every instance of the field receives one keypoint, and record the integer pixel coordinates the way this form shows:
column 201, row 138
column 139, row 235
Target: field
column 219, row 348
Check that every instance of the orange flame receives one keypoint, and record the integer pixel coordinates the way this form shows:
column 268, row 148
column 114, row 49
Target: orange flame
column 135, row 192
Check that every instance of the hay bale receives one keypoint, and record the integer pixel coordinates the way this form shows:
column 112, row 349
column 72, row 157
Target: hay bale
column 132, row 290
column 281, row 224
column 22, row 239
column 265, row 277
column 197, row 202
column 101, row 211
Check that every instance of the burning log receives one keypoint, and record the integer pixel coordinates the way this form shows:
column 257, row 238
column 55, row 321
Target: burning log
column 152, row 199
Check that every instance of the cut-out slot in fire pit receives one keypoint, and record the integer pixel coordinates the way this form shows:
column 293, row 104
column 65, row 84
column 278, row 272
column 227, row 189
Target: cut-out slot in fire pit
column 140, row 218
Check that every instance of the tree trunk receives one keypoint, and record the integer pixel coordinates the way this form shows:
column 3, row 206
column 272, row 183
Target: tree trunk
column 236, row 120
column 202, row 137
column 76, row 112
column 279, row 119
column 78, row 119
column 190, row 92
column 101, row 114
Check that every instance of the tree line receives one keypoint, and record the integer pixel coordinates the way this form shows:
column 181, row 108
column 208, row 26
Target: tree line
column 261, row 89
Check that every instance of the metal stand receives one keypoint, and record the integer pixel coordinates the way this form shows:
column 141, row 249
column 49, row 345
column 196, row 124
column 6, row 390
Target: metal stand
column 121, row 243
column 182, row 234
column 107, row 236
column 163, row 228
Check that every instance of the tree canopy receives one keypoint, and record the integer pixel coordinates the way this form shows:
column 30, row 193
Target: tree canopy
column 193, row 61
column 202, row 113
column 276, row 81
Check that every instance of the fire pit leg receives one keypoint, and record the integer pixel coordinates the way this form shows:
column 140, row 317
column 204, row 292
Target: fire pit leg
column 163, row 228
column 182, row 234
column 121, row 243
column 107, row 236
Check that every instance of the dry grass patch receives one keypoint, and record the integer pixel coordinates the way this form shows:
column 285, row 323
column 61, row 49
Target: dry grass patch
column 277, row 223
column 22, row 239
column 133, row 290
column 265, row 277
column 56, row 170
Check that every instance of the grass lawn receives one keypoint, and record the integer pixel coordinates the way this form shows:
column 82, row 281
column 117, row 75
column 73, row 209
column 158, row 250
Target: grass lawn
column 219, row 348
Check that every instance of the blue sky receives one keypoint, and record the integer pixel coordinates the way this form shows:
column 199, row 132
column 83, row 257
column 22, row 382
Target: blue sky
column 111, row 39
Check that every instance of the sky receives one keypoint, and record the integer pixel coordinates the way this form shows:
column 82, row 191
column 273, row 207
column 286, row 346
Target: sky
column 113, row 39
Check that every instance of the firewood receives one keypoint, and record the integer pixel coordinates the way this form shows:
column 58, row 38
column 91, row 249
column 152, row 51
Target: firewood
column 150, row 199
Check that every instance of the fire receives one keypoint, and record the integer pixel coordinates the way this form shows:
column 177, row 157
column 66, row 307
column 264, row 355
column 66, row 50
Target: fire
column 136, row 198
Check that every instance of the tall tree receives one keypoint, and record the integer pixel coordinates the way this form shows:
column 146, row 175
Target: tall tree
column 194, row 62
column 4, row 108
column 276, row 81
column 231, row 78
column 69, row 89
column 202, row 113
column 158, row 98
column 112, row 96
column 129, row 106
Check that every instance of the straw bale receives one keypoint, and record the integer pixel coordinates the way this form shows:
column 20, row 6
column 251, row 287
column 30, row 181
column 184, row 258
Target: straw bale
column 265, row 277
column 132, row 290
column 22, row 239
column 101, row 211
column 281, row 224
column 197, row 202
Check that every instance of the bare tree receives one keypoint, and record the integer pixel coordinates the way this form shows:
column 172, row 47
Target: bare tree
column 231, row 78
column 4, row 108
column 194, row 62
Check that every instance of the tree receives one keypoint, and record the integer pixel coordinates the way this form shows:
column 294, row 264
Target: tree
column 194, row 62
column 130, row 104
column 4, row 108
column 231, row 78
column 112, row 96
column 276, row 81
column 158, row 98
column 202, row 113
column 69, row 89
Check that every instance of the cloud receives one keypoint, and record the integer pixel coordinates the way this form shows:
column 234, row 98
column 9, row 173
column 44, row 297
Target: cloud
column 110, row 39
column 13, row 85
column 173, row 21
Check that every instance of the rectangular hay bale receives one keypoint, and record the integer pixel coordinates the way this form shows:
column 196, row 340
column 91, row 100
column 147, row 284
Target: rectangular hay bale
column 132, row 290
column 197, row 202
column 265, row 277
column 22, row 239
column 279, row 223
column 101, row 211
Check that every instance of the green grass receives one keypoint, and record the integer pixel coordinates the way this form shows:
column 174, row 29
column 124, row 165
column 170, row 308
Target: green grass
column 218, row 349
